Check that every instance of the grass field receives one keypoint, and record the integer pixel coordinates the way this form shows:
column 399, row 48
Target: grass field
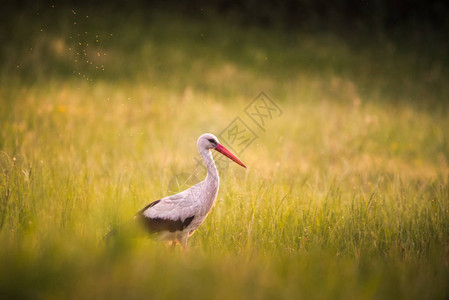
column 346, row 195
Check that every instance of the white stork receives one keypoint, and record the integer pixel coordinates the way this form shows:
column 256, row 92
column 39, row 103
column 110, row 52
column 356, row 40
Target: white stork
column 175, row 218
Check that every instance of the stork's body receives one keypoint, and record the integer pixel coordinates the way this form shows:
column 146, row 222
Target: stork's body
column 175, row 218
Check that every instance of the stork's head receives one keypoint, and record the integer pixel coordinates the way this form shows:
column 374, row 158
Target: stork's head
column 209, row 141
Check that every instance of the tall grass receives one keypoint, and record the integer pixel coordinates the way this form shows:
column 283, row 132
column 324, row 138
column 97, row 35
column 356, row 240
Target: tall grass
column 346, row 194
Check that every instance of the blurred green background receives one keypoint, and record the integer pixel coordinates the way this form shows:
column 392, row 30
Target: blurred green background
column 346, row 194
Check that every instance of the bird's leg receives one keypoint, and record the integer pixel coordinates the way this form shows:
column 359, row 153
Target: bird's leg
column 185, row 237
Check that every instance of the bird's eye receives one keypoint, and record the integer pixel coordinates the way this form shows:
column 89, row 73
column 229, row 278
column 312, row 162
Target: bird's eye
column 212, row 141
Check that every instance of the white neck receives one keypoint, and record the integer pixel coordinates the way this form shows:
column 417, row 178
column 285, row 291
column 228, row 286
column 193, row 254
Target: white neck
column 212, row 173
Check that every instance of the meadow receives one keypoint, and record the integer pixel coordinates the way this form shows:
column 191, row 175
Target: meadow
column 346, row 195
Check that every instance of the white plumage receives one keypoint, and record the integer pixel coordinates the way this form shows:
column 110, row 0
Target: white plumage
column 175, row 218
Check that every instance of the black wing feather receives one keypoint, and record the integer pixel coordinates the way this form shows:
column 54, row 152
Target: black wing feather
column 146, row 207
column 155, row 225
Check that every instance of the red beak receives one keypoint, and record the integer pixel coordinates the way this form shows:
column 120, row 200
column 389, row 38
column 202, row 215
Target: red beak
column 228, row 154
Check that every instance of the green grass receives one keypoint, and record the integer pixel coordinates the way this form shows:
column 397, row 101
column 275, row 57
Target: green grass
column 346, row 195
